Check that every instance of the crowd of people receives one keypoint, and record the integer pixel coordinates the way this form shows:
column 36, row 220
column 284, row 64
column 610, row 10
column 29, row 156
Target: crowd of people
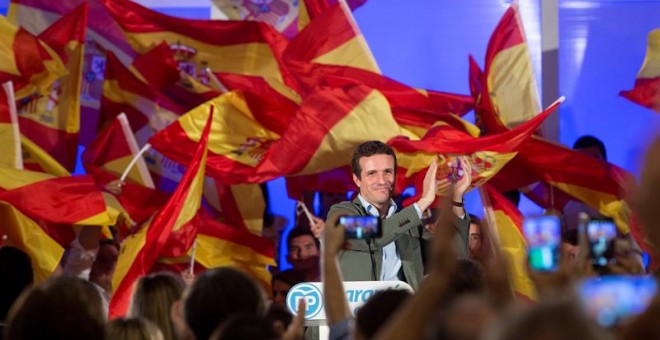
column 461, row 279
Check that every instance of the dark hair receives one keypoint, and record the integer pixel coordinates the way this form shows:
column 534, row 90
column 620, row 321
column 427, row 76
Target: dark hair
column 246, row 327
column 291, row 277
column 109, row 242
column 16, row 274
column 278, row 314
column 588, row 141
column 217, row 294
column 153, row 297
column 378, row 310
column 469, row 278
column 64, row 307
column 368, row 149
column 474, row 219
column 298, row 232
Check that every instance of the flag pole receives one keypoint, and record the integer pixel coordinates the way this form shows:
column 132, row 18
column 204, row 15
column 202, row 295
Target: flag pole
column 133, row 161
column 191, row 266
column 307, row 213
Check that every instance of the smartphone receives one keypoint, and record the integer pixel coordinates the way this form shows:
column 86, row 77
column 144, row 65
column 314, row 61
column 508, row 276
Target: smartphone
column 361, row 227
column 601, row 233
column 543, row 235
column 613, row 299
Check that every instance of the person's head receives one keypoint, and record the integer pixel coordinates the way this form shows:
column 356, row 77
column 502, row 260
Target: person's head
column 245, row 327
column 475, row 237
column 133, row 329
column 62, row 308
column 282, row 283
column 16, row 274
column 374, row 172
column 218, row 294
column 303, row 251
column 550, row 321
column 378, row 309
column 104, row 263
column 153, row 297
column 469, row 278
column 591, row 146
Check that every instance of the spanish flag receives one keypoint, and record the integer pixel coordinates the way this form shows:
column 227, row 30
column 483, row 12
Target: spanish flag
column 9, row 134
column 27, row 61
column 61, row 200
column 20, row 231
column 326, row 128
column 243, row 47
column 37, row 159
column 488, row 154
column 112, row 151
column 219, row 244
column 52, row 121
column 240, row 205
column 646, row 91
column 510, row 90
column 332, row 37
column 141, row 250
column 508, row 223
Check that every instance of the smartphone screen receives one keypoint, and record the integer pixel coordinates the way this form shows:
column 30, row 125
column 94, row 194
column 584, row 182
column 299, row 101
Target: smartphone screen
column 612, row 299
column 361, row 227
column 601, row 234
column 543, row 235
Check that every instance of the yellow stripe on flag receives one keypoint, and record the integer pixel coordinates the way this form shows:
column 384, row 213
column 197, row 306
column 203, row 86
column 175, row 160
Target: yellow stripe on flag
column 33, row 154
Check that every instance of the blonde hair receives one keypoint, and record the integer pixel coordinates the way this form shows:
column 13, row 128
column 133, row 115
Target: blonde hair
column 153, row 298
column 133, row 329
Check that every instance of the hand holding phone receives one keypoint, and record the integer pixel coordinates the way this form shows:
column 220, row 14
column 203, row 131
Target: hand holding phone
column 601, row 233
column 361, row 227
column 543, row 235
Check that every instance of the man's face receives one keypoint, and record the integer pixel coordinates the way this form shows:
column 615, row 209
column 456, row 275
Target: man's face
column 474, row 239
column 377, row 178
column 303, row 247
column 280, row 289
column 304, row 254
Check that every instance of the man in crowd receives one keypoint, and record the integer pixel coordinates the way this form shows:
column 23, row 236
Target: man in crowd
column 303, row 252
column 397, row 254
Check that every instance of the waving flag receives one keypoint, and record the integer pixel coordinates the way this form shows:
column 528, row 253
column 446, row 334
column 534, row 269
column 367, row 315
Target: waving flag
column 508, row 86
column 26, row 234
column 141, row 250
column 488, row 154
column 508, row 221
column 113, row 150
column 247, row 149
column 52, row 121
column 647, row 85
column 332, row 38
column 9, row 135
column 243, row 47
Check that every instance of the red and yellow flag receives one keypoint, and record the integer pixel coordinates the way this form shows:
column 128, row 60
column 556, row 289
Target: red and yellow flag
column 326, row 128
column 61, row 200
column 52, row 120
column 9, row 134
column 26, row 234
column 488, row 154
column 508, row 221
column 508, row 86
column 27, row 61
column 647, row 85
column 112, row 151
column 141, row 250
column 243, row 47
column 333, row 38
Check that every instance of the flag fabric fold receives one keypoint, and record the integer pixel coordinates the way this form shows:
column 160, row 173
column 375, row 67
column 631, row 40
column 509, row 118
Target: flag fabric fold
column 10, row 136
column 646, row 91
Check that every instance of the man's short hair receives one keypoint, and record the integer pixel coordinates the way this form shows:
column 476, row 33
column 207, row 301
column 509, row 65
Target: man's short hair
column 368, row 149
column 291, row 277
column 588, row 141
column 16, row 274
column 218, row 294
column 298, row 232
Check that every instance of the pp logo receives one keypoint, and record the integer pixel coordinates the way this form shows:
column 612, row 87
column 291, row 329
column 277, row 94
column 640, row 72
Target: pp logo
column 311, row 294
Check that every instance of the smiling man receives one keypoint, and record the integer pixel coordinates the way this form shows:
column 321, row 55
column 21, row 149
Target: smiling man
column 397, row 254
